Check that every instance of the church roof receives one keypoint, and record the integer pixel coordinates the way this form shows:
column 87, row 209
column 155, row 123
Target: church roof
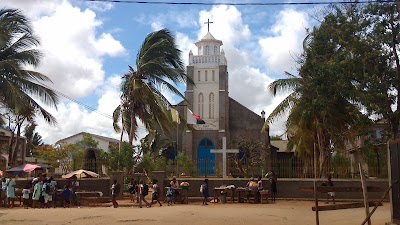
column 208, row 36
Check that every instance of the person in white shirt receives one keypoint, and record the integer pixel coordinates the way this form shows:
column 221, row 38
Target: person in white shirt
column 25, row 196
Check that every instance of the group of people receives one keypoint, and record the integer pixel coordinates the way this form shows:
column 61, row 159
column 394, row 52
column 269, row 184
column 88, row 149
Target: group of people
column 138, row 192
column 41, row 192
column 258, row 186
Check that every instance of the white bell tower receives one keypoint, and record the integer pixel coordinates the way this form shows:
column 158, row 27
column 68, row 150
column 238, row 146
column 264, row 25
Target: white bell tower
column 208, row 71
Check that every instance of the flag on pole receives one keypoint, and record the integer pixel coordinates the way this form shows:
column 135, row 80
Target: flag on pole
column 193, row 118
column 175, row 116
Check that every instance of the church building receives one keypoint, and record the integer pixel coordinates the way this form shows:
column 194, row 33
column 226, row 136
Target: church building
column 209, row 99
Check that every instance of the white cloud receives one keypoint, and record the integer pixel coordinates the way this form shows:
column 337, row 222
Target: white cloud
column 157, row 25
column 72, row 51
column 279, row 50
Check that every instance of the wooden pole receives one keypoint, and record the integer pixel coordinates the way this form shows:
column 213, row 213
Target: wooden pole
column 365, row 192
column 376, row 205
column 315, row 186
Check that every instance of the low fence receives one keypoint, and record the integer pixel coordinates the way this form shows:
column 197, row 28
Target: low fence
column 293, row 167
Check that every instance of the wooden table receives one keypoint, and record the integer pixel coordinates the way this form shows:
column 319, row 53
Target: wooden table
column 218, row 190
column 242, row 192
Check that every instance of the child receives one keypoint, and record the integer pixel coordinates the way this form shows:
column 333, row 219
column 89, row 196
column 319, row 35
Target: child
column 156, row 193
column 330, row 193
column 273, row 180
column 25, row 196
column 205, row 191
column 132, row 187
column 143, row 192
column 170, row 195
column 66, row 196
column 115, row 188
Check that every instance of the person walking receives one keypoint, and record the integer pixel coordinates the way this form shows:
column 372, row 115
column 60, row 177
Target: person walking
column 204, row 190
column 156, row 193
column 330, row 194
column 115, row 189
column 143, row 192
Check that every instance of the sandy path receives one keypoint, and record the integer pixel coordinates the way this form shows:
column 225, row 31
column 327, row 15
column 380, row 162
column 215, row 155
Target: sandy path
column 280, row 213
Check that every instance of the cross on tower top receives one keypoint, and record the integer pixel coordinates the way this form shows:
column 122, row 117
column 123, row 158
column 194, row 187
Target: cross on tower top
column 208, row 24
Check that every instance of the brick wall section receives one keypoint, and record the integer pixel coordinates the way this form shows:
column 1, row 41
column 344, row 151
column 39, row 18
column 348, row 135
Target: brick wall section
column 289, row 188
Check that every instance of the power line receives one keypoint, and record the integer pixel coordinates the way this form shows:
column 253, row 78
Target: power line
column 240, row 4
column 82, row 104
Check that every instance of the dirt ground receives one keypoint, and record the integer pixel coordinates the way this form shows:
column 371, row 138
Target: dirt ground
column 280, row 213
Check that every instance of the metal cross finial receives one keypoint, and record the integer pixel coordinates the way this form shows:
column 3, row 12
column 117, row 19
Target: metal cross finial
column 208, row 24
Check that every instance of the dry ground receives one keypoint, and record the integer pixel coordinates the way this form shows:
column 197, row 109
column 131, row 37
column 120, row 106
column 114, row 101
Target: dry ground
column 280, row 213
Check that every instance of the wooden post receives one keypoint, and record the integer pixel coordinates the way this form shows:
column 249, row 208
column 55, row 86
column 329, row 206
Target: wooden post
column 365, row 192
column 315, row 186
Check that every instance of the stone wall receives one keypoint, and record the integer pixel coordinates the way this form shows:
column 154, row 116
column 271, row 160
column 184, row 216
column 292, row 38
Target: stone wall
column 88, row 184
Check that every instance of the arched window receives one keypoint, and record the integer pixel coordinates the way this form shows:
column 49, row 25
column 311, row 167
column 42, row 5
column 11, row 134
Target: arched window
column 211, row 106
column 198, row 75
column 215, row 50
column 201, row 105
column 207, row 50
column 206, row 76
column 213, row 75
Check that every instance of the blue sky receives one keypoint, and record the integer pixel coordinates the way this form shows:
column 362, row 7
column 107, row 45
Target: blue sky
column 88, row 46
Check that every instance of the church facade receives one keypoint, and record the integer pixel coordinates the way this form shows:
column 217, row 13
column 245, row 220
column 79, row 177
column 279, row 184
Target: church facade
column 209, row 99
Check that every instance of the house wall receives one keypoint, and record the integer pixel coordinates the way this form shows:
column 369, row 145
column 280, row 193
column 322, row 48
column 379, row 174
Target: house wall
column 102, row 143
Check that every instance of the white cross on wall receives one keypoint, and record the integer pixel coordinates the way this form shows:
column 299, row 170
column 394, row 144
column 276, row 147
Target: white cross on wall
column 224, row 151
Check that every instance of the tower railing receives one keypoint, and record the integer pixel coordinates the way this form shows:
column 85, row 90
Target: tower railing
column 207, row 59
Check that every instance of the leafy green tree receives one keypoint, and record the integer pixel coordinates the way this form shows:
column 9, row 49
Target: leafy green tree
column 120, row 160
column 253, row 155
column 33, row 139
column 322, row 111
column 158, row 66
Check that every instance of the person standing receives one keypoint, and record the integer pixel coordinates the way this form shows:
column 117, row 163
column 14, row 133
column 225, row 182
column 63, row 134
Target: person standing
column 259, row 188
column 143, row 192
column 273, row 180
column 53, row 191
column 11, row 192
column 25, row 196
column 156, row 193
column 205, row 191
column 37, row 191
column 115, row 189
column 75, row 187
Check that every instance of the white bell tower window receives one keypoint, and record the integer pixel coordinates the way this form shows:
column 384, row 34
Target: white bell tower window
column 211, row 106
column 201, row 105
column 207, row 50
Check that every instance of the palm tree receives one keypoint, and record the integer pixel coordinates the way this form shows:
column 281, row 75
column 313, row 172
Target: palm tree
column 17, row 84
column 158, row 67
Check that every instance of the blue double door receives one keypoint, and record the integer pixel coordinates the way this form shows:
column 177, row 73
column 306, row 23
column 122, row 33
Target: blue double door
column 205, row 159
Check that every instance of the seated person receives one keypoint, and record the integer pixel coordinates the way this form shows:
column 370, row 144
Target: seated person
column 252, row 185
